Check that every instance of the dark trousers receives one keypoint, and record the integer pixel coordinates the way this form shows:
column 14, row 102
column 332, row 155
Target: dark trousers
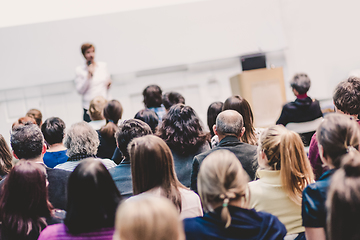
column 86, row 116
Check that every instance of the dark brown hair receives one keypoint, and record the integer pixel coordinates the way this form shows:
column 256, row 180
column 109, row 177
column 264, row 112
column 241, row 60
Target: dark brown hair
column 336, row 134
column 112, row 113
column 181, row 130
column 92, row 198
column 24, row 203
column 213, row 111
column 171, row 98
column 242, row 106
column 85, row 47
column 152, row 166
column 152, row 96
column 347, row 96
column 343, row 201
column 5, row 157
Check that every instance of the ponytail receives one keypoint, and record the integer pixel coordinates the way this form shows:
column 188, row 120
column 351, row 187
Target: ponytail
column 109, row 130
column 225, row 214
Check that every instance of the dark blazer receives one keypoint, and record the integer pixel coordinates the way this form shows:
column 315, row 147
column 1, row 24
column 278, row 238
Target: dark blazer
column 57, row 186
column 246, row 154
column 121, row 175
column 183, row 163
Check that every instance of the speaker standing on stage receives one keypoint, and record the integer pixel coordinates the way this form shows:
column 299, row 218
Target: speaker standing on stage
column 92, row 79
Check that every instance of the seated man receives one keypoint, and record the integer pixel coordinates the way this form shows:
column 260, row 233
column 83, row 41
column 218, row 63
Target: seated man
column 121, row 174
column 53, row 130
column 303, row 109
column 153, row 100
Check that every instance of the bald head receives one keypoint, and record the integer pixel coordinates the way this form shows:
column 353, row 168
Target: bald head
column 229, row 122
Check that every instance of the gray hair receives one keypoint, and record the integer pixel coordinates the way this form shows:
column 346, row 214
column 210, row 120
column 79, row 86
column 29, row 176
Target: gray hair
column 229, row 122
column 301, row 83
column 81, row 138
column 27, row 141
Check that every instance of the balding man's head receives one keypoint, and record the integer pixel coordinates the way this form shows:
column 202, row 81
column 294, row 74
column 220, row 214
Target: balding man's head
column 229, row 122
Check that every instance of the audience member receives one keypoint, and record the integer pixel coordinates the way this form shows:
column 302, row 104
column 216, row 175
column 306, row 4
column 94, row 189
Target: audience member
column 27, row 143
column 96, row 112
column 153, row 100
column 5, row 158
column 23, row 121
column 112, row 113
column 343, row 201
column 242, row 106
column 92, row 79
column 81, row 141
column 152, row 169
column 171, row 98
column 222, row 185
column 347, row 101
column 121, row 174
column 304, row 108
column 148, row 116
column 24, row 206
column 35, row 114
column 92, row 202
column 284, row 173
column 213, row 111
column 182, row 132
column 53, row 130
column 336, row 136
column 148, row 218
column 229, row 128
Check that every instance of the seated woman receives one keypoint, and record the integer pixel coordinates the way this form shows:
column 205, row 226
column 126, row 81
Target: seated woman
column 343, row 203
column 148, row 116
column 92, row 202
column 53, row 130
column 24, row 205
column 35, row 114
column 148, row 218
column 112, row 113
column 213, row 111
column 96, row 112
column 5, row 158
column 303, row 109
column 284, row 173
column 337, row 135
column 183, row 133
column 222, row 185
column 152, row 170
column 242, row 106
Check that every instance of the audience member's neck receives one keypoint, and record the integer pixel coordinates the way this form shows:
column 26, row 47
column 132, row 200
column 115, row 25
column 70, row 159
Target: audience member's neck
column 38, row 159
column 221, row 136
column 302, row 96
column 56, row 147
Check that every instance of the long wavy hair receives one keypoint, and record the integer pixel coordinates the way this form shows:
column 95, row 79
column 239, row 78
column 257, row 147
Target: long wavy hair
column 24, row 203
column 181, row 130
column 152, row 166
column 242, row 106
column 285, row 152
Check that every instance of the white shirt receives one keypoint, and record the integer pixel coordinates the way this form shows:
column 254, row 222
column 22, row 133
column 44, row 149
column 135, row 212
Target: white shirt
column 71, row 165
column 190, row 202
column 93, row 87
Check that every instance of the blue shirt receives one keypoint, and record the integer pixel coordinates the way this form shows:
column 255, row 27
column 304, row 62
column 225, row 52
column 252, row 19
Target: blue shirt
column 313, row 201
column 51, row 159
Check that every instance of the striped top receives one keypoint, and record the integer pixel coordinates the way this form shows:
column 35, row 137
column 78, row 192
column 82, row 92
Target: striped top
column 71, row 165
column 59, row 232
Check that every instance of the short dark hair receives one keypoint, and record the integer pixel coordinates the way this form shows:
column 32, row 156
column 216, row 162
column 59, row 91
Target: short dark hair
column 301, row 83
column 92, row 198
column 213, row 110
column 85, row 47
column 181, row 130
column 129, row 130
column 53, row 130
column 148, row 116
column 27, row 141
column 152, row 96
column 171, row 98
column 347, row 96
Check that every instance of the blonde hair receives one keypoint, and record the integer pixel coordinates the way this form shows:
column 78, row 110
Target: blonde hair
column 148, row 218
column 285, row 152
column 222, row 179
column 96, row 108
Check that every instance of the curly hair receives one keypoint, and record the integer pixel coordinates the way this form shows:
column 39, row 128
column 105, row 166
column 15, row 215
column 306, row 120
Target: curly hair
column 181, row 130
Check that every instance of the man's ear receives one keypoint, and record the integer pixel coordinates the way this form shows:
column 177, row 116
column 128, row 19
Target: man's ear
column 321, row 153
column 43, row 149
column 15, row 155
column 214, row 129
column 242, row 132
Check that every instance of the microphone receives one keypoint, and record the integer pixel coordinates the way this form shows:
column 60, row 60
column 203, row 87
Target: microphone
column 88, row 63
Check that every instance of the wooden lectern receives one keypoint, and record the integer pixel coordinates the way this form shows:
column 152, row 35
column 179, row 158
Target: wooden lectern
column 264, row 90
